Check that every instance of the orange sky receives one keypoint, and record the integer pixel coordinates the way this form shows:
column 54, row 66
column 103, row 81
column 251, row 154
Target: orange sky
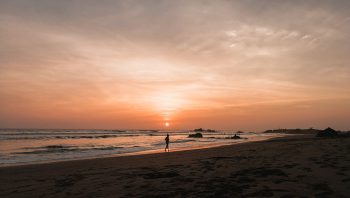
column 240, row 65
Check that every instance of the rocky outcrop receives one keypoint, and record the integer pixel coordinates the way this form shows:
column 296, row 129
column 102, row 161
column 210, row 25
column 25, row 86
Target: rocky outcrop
column 328, row 132
column 196, row 135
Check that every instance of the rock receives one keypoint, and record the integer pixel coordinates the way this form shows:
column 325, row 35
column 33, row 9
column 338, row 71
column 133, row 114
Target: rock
column 236, row 137
column 201, row 130
column 196, row 135
column 328, row 132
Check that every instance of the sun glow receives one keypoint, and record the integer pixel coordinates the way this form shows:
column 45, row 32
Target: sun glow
column 168, row 104
column 167, row 124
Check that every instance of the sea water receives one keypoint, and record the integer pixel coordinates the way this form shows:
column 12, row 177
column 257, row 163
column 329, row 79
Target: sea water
column 31, row 146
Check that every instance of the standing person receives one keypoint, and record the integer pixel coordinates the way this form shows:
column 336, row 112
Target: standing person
column 167, row 140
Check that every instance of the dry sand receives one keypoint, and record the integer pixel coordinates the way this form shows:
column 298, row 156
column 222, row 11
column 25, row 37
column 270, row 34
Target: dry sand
column 299, row 166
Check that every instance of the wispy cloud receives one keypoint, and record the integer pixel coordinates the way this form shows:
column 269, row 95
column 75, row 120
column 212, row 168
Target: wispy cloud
column 141, row 62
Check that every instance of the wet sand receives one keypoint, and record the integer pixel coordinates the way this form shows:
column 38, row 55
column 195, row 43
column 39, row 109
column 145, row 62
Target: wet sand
column 298, row 166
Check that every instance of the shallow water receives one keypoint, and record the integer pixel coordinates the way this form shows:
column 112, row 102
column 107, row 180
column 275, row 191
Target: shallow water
column 30, row 146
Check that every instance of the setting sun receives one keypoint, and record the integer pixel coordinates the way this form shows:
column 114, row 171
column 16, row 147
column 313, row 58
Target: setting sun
column 167, row 124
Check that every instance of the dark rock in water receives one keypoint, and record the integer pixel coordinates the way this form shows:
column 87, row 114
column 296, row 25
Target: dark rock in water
column 236, row 137
column 328, row 132
column 196, row 135
column 201, row 130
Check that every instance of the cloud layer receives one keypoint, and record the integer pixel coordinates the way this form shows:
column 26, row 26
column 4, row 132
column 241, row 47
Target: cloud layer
column 246, row 65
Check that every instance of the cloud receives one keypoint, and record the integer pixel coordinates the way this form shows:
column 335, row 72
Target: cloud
column 123, row 57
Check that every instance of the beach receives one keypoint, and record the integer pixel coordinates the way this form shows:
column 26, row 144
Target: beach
column 293, row 166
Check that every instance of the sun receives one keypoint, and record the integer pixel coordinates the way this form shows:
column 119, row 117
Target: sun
column 167, row 124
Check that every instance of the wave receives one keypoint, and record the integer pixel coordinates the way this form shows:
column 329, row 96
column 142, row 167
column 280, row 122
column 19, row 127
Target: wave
column 64, row 148
column 183, row 141
column 38, row 137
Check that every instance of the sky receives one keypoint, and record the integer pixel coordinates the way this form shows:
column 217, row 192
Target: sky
column 235, row 65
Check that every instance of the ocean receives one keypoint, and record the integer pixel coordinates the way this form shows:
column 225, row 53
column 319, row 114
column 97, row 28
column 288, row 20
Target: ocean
column 33, row 146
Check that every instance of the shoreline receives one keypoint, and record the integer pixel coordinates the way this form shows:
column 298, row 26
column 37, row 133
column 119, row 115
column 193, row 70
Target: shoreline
column 292, row 165
column 150, row 153
column 144, row 152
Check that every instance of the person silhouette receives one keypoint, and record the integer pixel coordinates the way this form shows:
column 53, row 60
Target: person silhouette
column 167, row 140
